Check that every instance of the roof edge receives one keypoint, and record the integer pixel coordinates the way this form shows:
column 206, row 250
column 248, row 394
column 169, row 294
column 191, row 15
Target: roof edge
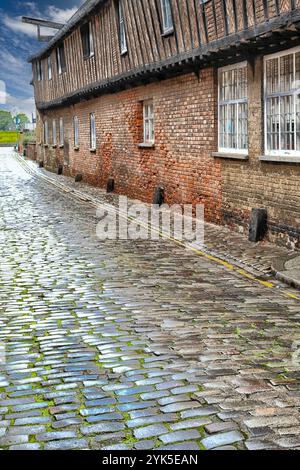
column 85, row 10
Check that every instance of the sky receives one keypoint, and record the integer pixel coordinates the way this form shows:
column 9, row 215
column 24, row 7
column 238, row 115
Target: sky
column 18, row 41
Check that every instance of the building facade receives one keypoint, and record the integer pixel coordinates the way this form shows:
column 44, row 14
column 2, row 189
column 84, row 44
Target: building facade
column 199, row 97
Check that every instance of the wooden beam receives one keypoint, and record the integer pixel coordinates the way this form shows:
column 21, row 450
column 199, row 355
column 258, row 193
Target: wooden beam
column 41, row 37
column 44, row 23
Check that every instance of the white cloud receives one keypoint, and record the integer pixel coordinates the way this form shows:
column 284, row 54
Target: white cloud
column 52, row 13
column 16, row 25
column 2, row 92
column 14, row 70
column 60, row 15
column 18, row 105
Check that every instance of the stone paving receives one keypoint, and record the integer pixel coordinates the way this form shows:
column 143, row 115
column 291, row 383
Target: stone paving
column 133, row 344
column 232, row 246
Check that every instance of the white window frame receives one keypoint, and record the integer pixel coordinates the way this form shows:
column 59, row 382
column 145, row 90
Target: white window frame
column 40, row 70
column 237, row 101
column 59, row 62
column 46, row 133
column 122, row 29
column 76, row 131
column 54, row 136
column 294, row 91
column 93, row 136
column 49, row 67
column 148, row 120
column 61, row 132
column 91, row 40
column 167, row 17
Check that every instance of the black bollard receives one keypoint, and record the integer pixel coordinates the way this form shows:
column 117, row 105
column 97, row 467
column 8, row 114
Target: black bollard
column 258, row 225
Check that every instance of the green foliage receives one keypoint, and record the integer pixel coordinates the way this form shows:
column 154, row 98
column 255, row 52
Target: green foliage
column 6, row 120
column 29, row 137
column 22, row 119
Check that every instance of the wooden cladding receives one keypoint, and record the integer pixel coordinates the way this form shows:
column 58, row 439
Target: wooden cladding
column 196, row 24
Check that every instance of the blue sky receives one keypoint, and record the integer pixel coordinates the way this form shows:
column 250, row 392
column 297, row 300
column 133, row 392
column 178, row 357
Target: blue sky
column 18, row 41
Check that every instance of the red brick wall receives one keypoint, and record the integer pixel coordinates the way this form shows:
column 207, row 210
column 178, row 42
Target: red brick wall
column 185, row 136
column 31, row 150
column 257, row 184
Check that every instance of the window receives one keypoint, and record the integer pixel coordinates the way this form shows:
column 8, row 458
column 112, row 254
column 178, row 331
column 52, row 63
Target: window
column 233, row 109
column 122, row 30
column 46, row 133
column 282, row 105
column 148, row 122
column 49, row 68
column 61, row 132
column 54, row 132
column 39, row 66
column 167, row 19
column 87, row 40
column 61, row 59
column 92, row 132
column 76, row 131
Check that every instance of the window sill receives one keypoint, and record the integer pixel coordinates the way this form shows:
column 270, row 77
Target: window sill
column 147, row 145
column 232, row 156
column 88, row 57
column 280, row 159
column 93, row 150
column 167, row 33
column 46, row 145
column 54, row 146
column 124, row 53
column 76, row 148
column 61, row 146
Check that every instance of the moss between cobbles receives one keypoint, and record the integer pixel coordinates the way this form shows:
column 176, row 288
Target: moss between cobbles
column 45, row 413
column 201, row 446
column 32, row 439
column 35, row 385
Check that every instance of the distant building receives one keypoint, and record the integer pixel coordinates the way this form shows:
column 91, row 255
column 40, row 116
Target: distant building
column 199, row 97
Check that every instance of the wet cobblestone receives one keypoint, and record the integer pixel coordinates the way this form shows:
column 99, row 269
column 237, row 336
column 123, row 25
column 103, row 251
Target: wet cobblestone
column 135, row 344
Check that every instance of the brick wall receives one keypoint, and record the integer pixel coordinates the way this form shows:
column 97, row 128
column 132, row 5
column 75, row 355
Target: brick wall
column 31, row 150
column 185, row 136
column 254, row 183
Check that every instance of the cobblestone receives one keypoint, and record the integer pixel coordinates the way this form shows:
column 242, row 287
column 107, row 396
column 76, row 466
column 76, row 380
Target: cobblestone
column 222, row 439
column 150, row 431
column 102, row 336
column 180, row 436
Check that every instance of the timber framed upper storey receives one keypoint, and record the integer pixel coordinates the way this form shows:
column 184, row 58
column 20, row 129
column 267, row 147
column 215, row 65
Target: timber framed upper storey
column 155, row 39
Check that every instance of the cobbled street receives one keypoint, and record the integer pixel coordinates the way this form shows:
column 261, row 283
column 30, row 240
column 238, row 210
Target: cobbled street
column 133, row 344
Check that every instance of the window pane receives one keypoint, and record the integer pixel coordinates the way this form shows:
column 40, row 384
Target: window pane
column 286, row 72
column 297, row 117
column 54, row 132
column 272, row 109
column 297, row 70
column 272, row 75
column 242, row 86
column 242, row 126
column 231, row 126
column 287, row 123
column 93, row 131
column 222, row 126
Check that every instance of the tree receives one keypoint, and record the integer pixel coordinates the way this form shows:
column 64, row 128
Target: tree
column 21, row 119
column 6, row 120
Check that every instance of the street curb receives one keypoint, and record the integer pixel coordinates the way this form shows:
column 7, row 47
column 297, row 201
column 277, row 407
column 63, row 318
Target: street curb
column 277, row 268
column 238, row 265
